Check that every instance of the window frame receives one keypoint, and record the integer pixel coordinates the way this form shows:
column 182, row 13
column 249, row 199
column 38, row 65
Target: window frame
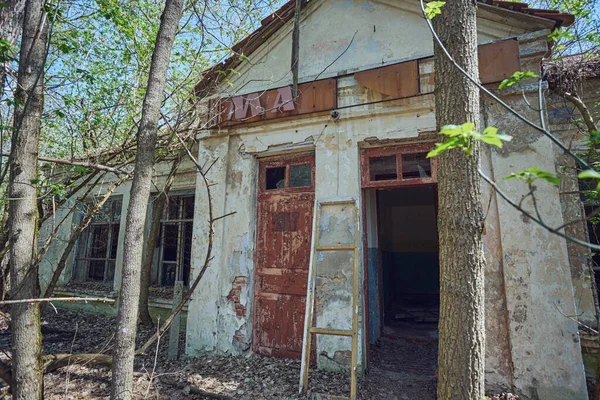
column 397, row 151
column 287, row 162
column 82, row 264
column 180, row 222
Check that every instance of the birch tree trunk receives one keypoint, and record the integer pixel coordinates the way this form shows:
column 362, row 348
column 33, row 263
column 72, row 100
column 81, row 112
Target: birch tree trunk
column 122, row 370
column 26, row 337
column 460, row 217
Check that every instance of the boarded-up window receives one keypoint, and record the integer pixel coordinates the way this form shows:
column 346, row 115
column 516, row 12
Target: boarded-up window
column 97, row 247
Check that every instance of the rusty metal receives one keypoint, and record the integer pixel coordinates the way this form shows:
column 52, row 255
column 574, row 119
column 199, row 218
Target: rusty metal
column 276, row 103
column 398, row 151
column 311, row 331
column 396, row 81
column 283, row 250
column 498, row 61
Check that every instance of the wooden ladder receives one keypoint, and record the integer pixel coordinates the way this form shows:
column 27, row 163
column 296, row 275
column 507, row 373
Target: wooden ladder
column 310, row 330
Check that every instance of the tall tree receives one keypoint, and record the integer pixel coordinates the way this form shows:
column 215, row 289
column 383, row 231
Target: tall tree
column 122, row 371
column 22, row 224
column 460, row 217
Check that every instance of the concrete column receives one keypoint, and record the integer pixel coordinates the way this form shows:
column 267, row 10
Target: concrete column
column 204, row 310
column 546, row 353
column 337, row 175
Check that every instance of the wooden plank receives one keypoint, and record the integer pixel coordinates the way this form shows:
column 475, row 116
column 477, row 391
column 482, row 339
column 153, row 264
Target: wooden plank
column 498, row 61
column 396, row 81
column 173, row 350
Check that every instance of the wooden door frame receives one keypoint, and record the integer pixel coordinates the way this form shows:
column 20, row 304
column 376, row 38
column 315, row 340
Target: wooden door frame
column 367, row 184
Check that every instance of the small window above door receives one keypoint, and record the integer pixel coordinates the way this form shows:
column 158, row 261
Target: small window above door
column 295, row 174
column 398, row 166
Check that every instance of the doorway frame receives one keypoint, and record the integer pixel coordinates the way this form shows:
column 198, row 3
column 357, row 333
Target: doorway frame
column 286, row 160
column 367, row 184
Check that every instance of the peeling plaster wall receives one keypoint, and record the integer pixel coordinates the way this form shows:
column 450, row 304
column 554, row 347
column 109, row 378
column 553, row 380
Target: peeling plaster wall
column 345, row 28
column 561, row 115
column 546, row 353
column 532, row 348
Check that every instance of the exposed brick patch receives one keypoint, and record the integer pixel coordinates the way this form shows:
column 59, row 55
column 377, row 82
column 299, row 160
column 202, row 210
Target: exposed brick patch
column 234, row 295
column 240, row 341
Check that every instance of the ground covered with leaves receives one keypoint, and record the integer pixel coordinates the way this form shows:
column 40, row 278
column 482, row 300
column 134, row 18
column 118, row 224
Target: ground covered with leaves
column 212, row 377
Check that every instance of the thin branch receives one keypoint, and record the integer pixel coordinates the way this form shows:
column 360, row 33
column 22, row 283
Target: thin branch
column 532, row 217
column 476, row 82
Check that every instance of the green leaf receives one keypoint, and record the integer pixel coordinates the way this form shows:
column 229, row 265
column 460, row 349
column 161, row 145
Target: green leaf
column 530, row 175
column 589, row 174
column 491, row 136
column 433, row 8
column 243, row 58
column 516, row 78
column 449, row 144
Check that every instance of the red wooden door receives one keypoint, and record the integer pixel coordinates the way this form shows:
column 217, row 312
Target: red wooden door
column 285, row 213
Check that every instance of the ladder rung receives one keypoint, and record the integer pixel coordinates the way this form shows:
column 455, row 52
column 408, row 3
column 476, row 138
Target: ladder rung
column 334, row 248
column 334, row 332
column 337, row 202
column 328, row 396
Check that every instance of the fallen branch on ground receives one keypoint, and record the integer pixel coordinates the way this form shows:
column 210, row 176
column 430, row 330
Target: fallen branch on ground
column 53, row 299
column 52, row 362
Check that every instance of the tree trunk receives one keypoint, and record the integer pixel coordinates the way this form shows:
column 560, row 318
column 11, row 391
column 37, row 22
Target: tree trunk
column 122, row 371
column 26, row 338
column 460, row 216
column 11, row 19
column 146, row 279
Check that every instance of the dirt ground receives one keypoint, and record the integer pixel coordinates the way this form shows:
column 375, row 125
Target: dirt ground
column 390, row 377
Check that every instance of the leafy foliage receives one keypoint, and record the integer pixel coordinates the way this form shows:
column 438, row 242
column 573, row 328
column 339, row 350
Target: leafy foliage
column 462, row 137
column 517, row 77
column 433, row 8
column 532, row 174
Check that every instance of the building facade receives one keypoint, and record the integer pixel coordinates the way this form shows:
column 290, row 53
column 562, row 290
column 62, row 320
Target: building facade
column 360, row 129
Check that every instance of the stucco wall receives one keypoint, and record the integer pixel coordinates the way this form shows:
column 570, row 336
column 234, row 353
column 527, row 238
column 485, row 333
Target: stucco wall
column 532, row 348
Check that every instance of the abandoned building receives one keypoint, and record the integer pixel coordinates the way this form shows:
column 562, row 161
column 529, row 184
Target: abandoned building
column 361, row 128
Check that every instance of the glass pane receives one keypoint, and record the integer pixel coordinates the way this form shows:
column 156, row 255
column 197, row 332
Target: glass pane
column 114, row 241
column 170, row 232
column 110, row 271
column 168, row 274
column 96, row 270
column 99, row 241
column 173, row 207
column 275, row 178
column 117, row 204
column 105, row 213
column 383, row 168
column 300, row 175
column 187, row 252
column 188, row 207
column 416, row 165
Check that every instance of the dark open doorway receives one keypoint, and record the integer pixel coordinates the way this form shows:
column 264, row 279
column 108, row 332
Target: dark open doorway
column 409, row 263
column 403, row 280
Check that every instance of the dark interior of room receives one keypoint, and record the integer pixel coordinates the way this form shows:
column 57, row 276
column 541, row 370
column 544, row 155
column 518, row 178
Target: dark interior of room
column 409, row 259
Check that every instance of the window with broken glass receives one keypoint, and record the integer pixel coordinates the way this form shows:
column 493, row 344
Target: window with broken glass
column 96, row 251
column 176, row 240
column 398, row 166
